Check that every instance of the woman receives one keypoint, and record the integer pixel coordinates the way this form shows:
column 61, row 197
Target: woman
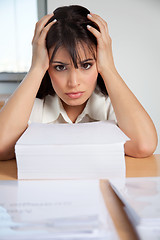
column 75, row 80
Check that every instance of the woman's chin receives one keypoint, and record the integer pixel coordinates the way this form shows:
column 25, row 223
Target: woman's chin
column 74, row 102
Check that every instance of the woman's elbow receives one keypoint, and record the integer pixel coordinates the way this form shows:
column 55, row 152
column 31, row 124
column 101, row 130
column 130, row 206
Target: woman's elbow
column 146, row 150
column 6, row 153
column 2, row 153
column 148, row 146
column 142, row 149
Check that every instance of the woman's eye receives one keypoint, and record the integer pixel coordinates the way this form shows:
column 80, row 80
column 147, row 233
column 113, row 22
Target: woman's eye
column 86, row 65
column 60, row 68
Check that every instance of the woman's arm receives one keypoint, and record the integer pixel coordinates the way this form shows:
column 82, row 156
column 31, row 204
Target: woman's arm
column 131, row 116
column 15, row 114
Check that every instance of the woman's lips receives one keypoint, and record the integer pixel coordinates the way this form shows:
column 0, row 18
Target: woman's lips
column 74, row 95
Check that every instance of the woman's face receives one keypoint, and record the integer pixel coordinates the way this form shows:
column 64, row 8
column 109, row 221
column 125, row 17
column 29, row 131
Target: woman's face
column 73, row 86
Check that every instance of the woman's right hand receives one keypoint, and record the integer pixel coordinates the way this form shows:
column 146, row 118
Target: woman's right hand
column 40, row 58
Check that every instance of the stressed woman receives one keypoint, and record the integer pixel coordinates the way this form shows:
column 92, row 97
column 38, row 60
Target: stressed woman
column 73, row 79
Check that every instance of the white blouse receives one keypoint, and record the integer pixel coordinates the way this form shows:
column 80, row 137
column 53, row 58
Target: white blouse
column 50, row 110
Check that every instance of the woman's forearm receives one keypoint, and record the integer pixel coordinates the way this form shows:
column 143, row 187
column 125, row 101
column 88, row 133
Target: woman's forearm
column 15, row 114
column 131, row 116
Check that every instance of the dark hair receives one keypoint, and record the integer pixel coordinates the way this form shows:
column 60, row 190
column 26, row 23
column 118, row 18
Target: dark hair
column 69, row 30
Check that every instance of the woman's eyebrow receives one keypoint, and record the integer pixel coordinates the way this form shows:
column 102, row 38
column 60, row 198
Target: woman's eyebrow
column 86, row 60
column 60, row 62
column 81, row 62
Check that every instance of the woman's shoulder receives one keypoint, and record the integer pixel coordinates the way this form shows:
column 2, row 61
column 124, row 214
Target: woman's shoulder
column 104, row 103
column 40, row 106
column 37, row 110
column 99, row 96
column 40, row 103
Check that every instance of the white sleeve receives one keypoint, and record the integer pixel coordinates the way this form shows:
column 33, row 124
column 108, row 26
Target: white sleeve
column 37, row 111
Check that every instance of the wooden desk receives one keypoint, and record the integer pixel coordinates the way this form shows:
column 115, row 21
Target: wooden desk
column 135, row 167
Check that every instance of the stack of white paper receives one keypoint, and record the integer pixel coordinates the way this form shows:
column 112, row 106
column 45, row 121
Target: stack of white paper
column 70, row 151
column 141, row 197
column 53, row 210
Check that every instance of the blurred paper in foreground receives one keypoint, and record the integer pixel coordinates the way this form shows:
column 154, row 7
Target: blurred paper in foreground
column 53, row 210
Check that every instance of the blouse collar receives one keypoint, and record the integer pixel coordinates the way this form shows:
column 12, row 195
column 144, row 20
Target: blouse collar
column 95, row 108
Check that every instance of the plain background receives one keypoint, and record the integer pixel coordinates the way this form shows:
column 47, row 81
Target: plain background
column 134, row 26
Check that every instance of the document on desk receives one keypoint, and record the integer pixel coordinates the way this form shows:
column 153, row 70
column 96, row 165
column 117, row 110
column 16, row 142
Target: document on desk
column 141, row 198
column 71, row 151
column 53, row 209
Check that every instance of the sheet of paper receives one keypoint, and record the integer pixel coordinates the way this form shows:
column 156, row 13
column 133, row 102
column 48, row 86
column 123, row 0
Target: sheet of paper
column 141, row 197
column 151, row 233
column 83, row 133
column 52, row 209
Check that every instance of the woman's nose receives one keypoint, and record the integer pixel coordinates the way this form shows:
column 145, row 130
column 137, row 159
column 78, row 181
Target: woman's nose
column 73, row 78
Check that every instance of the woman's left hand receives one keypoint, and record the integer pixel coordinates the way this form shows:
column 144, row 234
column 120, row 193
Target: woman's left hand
column 104, row 44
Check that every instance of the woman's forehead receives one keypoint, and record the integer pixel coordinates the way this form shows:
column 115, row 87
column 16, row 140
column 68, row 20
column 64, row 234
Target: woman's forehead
column 82, row 50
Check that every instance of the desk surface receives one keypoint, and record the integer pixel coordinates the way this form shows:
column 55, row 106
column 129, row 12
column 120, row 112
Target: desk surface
column 135, row 167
